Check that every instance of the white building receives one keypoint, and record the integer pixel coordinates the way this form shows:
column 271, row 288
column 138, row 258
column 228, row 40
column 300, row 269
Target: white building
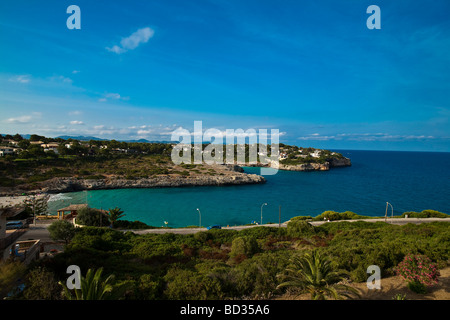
column 6, row 150
column 52, row 146
column 316, row 154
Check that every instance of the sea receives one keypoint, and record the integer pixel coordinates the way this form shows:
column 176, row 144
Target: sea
column 377, row 183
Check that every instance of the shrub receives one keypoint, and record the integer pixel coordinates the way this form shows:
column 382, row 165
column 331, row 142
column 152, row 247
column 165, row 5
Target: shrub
column 301, row 218
column 42, row 285
column 256, row 278
column 246, row 246
column 300, row 228
column 126, row 224
column 62, row 230
column 223, row 236
column 425, row 214
column 418, row 271
column 189, row 285
column 262, row 232
column 333, row 215
column 417, row 287
column 92, row 217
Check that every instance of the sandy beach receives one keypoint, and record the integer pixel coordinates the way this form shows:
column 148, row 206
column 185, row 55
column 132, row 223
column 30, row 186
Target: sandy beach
column 10, row 201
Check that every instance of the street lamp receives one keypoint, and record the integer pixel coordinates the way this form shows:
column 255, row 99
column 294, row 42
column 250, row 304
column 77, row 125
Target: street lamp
column 264, row 204
column 392, row 210
column 200, row 217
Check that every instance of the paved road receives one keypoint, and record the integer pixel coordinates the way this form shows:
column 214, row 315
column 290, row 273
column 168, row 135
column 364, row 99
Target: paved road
column 396, row 221
column 39, row 231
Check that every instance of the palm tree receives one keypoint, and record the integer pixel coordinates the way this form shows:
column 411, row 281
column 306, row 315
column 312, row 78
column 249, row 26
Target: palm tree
column 314, row 273
column 93, row 287
column 114, row 215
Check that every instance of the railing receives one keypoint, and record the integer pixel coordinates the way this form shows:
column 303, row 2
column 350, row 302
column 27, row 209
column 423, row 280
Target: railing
column 8, row 240
column 28, row 250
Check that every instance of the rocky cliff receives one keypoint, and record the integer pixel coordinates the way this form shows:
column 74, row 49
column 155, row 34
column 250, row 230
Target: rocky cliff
column 57, row 185
column 306, row 167
column 344, row 162
column 332, row 163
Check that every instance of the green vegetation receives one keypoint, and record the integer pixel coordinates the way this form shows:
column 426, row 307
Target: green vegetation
column 94, row 287
column 252, row 263
column 314, row 273
column 40, row 159
column 62, row 230
column 10, row 272
column 92, row 217
column 425, row 214
column 297, row 155
column 114, row 215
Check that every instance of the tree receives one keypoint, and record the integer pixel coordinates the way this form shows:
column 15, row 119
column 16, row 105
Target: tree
column 62, row 230
column 92, row 217
column 114, row 215
column 17, row 137
column 36, row 205
column 24, row 144
column 93, row 287
column 35, row 151
column 314, row 273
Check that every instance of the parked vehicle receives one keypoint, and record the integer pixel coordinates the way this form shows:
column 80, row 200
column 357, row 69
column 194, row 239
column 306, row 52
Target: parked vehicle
column 216, row 226
column 14, row 225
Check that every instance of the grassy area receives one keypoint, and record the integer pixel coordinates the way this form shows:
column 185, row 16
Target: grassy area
column 228, row 264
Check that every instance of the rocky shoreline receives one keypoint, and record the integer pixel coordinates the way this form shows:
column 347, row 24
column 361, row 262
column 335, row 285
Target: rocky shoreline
column 333, row 163
column 57, row 185
column 228, row 175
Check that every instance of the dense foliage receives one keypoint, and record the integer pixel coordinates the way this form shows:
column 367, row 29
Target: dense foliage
column 425, row 214
column 418, row 271
column 221, row 263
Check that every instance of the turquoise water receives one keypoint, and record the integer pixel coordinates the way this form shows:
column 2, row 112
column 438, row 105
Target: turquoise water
column 410, row 181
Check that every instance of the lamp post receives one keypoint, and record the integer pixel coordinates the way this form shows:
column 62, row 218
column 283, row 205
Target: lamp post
column 264, row 204
column 392, row 211
column 200, row 217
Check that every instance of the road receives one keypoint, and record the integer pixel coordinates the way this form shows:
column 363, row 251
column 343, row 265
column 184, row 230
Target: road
column 39, row 231
column 396, row 221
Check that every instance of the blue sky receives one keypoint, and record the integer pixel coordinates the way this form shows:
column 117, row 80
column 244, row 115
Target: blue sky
column 312, row 69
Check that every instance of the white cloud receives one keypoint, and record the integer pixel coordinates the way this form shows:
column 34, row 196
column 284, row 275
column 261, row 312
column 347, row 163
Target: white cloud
column 22, row 119
column 61, row 79
column 76, row 122
column 20, row 78
column 365, row 137
column 133, row 41
column 75, row 113
column 113, row 96
column 116, row 49
column 76, row 71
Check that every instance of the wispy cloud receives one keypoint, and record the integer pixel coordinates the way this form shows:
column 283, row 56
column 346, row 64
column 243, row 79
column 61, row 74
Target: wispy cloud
column 133, row 41
column 18, row 120
column 77, row 122
column 61, row 79
column 21, row 78
column 113, row 96
column 24, row 119
column 364, row 137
